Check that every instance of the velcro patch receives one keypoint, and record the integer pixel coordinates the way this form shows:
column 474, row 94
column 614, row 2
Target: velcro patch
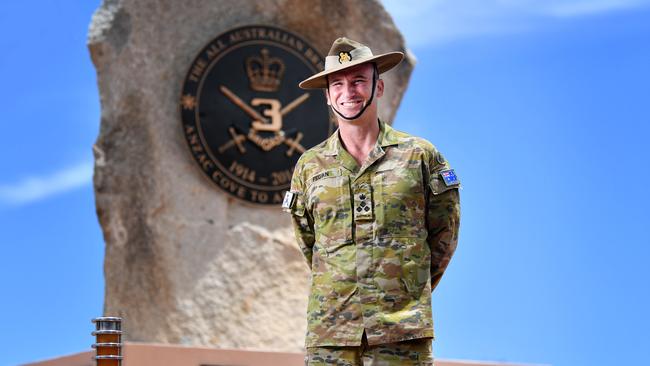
column 449, row 177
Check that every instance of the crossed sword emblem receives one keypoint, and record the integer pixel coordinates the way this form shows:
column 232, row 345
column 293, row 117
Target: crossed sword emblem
column 261, row 123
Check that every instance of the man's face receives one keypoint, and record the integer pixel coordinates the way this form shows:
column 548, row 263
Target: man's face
column 350, row 89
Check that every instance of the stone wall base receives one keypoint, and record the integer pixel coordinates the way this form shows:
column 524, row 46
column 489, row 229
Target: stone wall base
column 149, row 354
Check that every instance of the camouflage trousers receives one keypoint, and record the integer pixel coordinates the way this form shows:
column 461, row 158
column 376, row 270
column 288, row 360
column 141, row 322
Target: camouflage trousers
column 416, row 352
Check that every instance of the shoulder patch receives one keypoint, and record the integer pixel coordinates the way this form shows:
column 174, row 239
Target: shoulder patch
column 289, row 200
column 449, row 177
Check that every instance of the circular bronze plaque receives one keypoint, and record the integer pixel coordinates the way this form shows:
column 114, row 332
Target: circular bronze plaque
column 244, row 117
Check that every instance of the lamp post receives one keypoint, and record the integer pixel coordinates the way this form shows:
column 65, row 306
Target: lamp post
column 108, row 346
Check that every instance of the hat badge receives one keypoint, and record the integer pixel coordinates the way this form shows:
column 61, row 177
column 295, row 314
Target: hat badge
column 344, row 57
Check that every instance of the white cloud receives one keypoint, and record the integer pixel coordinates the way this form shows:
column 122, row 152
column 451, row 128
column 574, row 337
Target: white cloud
column 36, row 188
column 438, row 21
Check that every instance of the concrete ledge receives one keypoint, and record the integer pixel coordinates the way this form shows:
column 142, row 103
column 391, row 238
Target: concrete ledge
column 149, row 354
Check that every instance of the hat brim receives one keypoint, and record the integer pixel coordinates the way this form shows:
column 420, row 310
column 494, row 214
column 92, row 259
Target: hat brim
column 384, row 63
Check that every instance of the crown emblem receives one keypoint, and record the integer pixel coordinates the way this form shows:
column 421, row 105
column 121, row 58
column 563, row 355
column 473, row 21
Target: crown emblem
column 344, row 57
column 264, row 73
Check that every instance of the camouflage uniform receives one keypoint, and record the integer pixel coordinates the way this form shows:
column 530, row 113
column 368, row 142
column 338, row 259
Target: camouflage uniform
column 377, row 237
column 415, row 352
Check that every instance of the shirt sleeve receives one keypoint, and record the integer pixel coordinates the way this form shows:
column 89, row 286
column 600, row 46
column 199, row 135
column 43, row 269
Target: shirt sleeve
column 443, row 215
column 301, row 217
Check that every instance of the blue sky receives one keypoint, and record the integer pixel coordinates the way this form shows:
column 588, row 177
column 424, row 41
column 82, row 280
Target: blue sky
column 542, row 107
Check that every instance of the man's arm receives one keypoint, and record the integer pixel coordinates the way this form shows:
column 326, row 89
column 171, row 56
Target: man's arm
column 443, row 215
column 303, row 223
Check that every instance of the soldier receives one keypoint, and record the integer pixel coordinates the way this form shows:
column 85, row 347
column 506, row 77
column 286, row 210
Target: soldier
column 376, row 214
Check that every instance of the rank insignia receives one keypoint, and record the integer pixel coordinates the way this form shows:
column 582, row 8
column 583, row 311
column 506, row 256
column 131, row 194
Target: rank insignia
column 449, row 177
column 344, row 57
column 289, row 200
column 363, row 204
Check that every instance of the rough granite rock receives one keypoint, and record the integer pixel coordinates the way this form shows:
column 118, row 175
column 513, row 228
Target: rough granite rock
column 185, row 263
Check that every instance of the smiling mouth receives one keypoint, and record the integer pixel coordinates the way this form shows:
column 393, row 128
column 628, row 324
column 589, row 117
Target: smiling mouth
column 351, row 104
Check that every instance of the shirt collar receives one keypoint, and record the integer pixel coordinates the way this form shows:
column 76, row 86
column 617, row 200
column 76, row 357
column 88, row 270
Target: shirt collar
column 386, row 138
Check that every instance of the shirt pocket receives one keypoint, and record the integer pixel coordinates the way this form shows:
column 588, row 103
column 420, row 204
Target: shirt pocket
column 328, row 198
column 399, row 200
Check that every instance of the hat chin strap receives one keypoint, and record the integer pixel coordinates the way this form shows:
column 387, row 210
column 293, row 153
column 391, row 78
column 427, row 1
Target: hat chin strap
column 366, row 103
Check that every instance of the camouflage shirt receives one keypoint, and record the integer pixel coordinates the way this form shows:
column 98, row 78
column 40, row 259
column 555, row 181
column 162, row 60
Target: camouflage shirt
column 377, row 237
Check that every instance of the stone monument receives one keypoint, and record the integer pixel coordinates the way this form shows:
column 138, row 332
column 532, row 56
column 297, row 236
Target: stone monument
column 187, row 261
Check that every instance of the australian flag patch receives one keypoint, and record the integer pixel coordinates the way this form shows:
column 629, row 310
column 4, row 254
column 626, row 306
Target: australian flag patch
column 449, row 177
